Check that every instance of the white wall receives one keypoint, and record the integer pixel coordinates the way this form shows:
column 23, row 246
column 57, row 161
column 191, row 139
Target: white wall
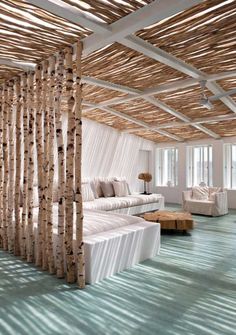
column 174, row 194
column 108, row 153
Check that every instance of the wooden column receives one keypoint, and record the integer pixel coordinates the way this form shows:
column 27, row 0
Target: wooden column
column 78, row 195
column 26, row 162
column 6, row 172
column 1, row 166
column 18, row 167
column 11, row 167
column 39, row 148
column 45, row 165
column 69, row 192
column 60, row 167
column 30, row 234
column 51, row 265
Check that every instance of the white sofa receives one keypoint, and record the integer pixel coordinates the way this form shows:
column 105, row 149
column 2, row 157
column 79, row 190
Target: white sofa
column 205, row 201
column 132, row 204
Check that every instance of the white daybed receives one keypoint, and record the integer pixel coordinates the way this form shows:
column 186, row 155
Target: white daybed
column 131, row 204
column 98, row 198
column 113, row 242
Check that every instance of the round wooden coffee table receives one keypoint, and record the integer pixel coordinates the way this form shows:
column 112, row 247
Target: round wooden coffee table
column 171, row 220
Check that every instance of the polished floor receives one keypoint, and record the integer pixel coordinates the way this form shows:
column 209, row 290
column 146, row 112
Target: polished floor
column 189, row 289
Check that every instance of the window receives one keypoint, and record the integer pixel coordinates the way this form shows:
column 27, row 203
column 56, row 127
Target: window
column 230, row 166
column 199, row 165
column 166, row 167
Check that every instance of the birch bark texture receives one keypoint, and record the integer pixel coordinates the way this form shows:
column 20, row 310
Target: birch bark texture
column 6, row 172
column 11, row 167
column 70, row 149
column 39, row 148
column 30, row 234
column 78, row 153
column 60, row 167
column 45, row 165
column 1, row 167
column 51, row 265
column 18, row 168
column 26, row 163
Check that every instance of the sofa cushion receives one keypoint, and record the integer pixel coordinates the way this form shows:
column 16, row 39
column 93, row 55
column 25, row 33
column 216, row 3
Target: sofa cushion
column 113, row 203
column 200, row 193
column 120, row 188
column 87, row 193
column 107, row 189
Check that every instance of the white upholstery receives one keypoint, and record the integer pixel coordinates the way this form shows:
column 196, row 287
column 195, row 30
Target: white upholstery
column 135, row 201
column 119, row 249
column 112, row 242
column 215, row 205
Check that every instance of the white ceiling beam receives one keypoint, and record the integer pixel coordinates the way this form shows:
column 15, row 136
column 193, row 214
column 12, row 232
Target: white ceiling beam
column 216, row 89
column 206, row 131
column 143, row 17
column 105, row 34
column 135, row 121
column 71, row 14
column 108, row 85
column 156, row 103
column 149, row 50
column 18, row 65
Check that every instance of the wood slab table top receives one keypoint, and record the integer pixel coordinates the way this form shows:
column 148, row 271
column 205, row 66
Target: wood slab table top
column 171, row 220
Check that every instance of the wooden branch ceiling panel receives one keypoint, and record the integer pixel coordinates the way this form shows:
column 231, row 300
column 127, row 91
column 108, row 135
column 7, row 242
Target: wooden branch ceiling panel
column 187, row 101
column 30, row 34
column 121, row 65
column 144, row 111
column 108, row 11
column 151, row 136
column 109, row 120
column 224, row 129
column 203, row 36
column 228, row 84
column 97, row 94
column 188, row 133
column 8, row 72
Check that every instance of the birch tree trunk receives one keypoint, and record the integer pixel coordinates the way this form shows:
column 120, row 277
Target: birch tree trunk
column 1, row 167
column 11, row 167
column 61, row 167
column 39, row 147
column 30, row 234
column 51, row 265
column 18, row 168
column 45, row 165
column 26, row 162
column 5, row 160
column 70, row 261
column 78, row 195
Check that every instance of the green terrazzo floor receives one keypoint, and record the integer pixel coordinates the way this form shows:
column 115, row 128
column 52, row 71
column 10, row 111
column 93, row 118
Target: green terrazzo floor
column 189, row 289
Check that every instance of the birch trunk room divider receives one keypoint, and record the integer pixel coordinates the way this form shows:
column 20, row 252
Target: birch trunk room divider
column 31, row 135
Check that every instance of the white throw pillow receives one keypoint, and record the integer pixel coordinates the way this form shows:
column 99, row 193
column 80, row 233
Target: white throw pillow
column 212, row 196
column 200, row 193
column 87, row 193
column 120, row 188
column 123, row 179
column 93, row 187
column 107, row 189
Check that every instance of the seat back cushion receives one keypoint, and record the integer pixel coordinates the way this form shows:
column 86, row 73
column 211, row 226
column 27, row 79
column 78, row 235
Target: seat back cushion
column 107, row 189
column 200, row 193
column 87, row 193
column 120, row 188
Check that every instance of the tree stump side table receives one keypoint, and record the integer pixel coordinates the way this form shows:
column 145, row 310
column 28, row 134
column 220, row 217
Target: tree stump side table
column 171, row 220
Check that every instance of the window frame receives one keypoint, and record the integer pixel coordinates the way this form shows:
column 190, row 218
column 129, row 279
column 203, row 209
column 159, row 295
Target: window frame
column 159, row 166
column 228, row 170
column 190, row 164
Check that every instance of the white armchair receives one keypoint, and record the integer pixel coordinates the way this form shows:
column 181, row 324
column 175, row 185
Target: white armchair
column 206, row 201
